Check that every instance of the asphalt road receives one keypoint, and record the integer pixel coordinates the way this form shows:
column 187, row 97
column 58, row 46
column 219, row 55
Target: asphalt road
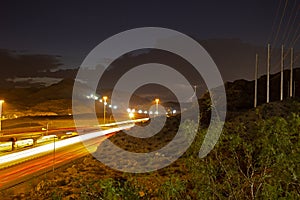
column 25, row 170
column 20, row 166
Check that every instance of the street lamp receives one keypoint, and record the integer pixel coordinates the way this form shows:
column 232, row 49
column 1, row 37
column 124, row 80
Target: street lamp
column 1, row 102
column 104, row 108
column 131, row 115
column 156, row 101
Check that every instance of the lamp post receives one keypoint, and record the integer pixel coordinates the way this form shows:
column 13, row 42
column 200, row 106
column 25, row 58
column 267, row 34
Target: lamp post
column 104, row 108
column 1, row 102
column 156, row 101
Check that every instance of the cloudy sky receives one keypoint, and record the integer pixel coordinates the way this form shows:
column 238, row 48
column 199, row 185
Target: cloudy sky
column 40, row 37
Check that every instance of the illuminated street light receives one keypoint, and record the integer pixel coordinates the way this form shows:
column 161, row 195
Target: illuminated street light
column 156, row 101
column 115, row 107
column 131, row 115
column 104, row 108
column 140, row 111
column 128, row 110
column 1, row 102
column 94, row 97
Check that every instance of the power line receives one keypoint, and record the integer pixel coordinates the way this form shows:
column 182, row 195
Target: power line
column 296, row 36
column 288, row 35
column 274, row 22
column 280, row 23
column 292, row 26
column 289, row 20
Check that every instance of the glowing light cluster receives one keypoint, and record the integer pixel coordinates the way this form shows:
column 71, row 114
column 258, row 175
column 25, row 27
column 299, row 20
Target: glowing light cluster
column 48, row 148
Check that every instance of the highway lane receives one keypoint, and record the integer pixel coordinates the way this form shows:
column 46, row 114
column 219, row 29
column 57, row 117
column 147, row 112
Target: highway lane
column 24, row 171
column 21, row 166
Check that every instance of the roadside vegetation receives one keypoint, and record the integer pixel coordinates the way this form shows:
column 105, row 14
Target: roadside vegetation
column 256, row 157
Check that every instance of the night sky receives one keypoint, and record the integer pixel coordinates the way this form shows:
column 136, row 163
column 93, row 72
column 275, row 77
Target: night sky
column 71, row 29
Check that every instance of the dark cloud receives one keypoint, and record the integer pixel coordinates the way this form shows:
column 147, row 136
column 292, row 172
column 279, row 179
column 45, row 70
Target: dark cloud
column 19, row 64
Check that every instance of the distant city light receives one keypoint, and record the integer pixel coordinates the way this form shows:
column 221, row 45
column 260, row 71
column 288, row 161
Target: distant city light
column 115, row 107
column 131, row 115
column 140, row 111
column 145, row 112
column 92, row 96
column 128, row 110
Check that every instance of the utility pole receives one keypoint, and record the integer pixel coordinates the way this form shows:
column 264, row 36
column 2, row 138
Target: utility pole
column 255, row 87
column 268, row 75
column 291, row 74
column 281, row 74
column 156, row 102
column 104, row 108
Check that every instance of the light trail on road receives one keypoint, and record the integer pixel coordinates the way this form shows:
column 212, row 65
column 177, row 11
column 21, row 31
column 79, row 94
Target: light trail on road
column 13, row 158
column 20, row 166
column 24, row 171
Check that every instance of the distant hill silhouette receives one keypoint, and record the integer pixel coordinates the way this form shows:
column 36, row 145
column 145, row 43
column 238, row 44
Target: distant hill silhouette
column 240, row 93
column 53, row 99
column 57, row 98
